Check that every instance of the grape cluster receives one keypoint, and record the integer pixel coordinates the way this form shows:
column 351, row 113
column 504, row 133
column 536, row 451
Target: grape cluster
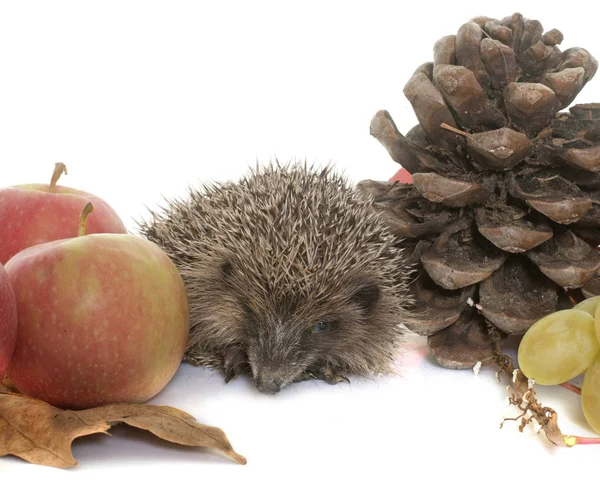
column 563, row 345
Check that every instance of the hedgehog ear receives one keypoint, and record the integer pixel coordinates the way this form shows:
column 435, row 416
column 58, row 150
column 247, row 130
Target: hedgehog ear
column 227, row 268
column 367, row 295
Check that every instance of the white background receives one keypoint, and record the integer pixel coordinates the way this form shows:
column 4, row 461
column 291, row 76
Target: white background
column 142, row 98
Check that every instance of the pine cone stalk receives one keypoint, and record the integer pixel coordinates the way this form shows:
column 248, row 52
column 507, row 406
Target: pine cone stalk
column 502, row 218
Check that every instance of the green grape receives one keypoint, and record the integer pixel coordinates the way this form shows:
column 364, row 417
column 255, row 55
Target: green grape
column 558, row 347
column 588, row 305
column 591, row 305
column 590, row 395
column 597, row 322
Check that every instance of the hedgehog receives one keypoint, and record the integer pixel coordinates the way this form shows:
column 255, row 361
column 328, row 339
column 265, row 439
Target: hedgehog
column 291, row 275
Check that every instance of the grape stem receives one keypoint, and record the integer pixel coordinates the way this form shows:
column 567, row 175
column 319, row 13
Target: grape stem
column 571, row 387
column 521, row 394
column 573, row 440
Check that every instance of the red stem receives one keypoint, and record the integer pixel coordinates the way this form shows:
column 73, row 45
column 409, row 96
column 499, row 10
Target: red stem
column 571, row 387
column 573, row 440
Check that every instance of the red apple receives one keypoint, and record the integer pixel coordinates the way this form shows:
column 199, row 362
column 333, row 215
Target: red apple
column 402, row 176
column 32, row 214
column 103, row 318
column 8, row 321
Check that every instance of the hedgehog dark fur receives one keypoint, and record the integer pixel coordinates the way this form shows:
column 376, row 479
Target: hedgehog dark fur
column 290, row 274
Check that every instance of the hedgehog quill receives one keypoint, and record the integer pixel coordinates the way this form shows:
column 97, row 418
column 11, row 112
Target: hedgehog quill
column 291, row 275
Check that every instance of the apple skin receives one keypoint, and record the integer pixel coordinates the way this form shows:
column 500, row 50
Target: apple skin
column 30, row 214
column 402, row 176
column 102, row 318
column 8, row 321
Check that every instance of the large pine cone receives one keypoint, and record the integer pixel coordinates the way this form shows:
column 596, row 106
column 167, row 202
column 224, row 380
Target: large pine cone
column 503, row 211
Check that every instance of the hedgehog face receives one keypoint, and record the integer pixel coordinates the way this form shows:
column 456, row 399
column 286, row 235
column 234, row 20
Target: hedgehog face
column 299, row 338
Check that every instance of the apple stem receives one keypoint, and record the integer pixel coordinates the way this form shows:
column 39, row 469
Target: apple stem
column 59, row 169
column 87, row 210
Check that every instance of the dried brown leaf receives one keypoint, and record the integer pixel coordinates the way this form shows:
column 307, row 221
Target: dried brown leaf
column 42, row 434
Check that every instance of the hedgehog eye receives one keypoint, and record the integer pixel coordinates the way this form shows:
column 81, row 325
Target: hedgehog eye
column 320, row 327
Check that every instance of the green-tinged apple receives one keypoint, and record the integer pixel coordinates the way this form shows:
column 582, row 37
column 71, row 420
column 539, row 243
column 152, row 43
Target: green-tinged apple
column 32, row 214
column 8, row 321
column 102, row 318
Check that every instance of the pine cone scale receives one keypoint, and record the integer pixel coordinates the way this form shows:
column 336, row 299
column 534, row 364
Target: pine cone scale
column 586, row 159
column 499, row 149
column 451, row 192
column 531, row 106
column 468, row 39
column 436, row 308
column 384, row 129
column 514, row 236
column 465, row 97
column 514, row 296
column 431, row 109
column 455, row 261
column 444, row 50
column 462, row 344
column 555, row 197
column 567, row 260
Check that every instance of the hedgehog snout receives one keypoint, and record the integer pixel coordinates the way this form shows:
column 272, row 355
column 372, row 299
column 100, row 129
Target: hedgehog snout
column 272, row 377
column 268, row 382
column 275, row 354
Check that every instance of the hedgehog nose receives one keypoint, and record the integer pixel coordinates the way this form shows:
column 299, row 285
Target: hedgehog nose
column 266, row 384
